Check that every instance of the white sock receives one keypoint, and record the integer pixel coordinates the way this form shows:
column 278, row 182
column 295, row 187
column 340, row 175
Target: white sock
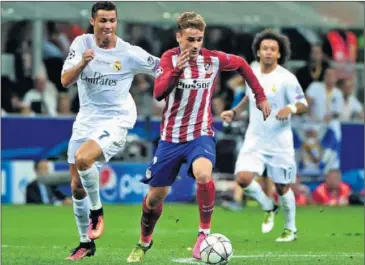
column 90, row 181
column 255, row 191
column 81, row 211
column 205, row 231
column 144, row 244
column 288, row 203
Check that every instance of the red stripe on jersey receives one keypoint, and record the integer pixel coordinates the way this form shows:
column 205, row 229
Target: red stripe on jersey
column 199, row 119
column 174, row 110
column 187, row 113
column 190, row 104
column 163, row 125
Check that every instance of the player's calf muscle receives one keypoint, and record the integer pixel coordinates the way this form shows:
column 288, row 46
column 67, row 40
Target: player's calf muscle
column 282, row 188
column 78, row 191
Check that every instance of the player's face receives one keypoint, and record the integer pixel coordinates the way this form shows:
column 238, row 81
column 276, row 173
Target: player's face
column 191, row 39
column 105, row 24
column 269, row 52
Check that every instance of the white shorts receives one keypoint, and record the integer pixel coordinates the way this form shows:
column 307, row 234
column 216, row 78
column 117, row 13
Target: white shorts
column 111, row 140
column 281, row 168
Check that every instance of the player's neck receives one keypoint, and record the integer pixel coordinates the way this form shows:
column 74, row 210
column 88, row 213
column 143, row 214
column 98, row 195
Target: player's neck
column 105, row 44
column 266, row 69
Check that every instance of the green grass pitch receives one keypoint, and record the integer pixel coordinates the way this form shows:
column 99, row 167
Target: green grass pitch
column 44, row 235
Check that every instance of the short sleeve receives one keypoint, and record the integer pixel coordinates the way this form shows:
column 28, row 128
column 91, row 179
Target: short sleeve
column 75, row 54
column 228, row 62
column 143, row 62
column 294, row 91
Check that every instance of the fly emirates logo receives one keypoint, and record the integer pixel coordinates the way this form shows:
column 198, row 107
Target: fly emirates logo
column 99, row 79
column 194, row 84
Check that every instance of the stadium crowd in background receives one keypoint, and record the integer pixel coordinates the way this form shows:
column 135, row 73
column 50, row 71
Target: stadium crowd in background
column 43, row 93
column 57, row 38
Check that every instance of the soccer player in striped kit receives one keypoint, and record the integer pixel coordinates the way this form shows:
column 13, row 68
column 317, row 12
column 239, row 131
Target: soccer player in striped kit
column 185, row 80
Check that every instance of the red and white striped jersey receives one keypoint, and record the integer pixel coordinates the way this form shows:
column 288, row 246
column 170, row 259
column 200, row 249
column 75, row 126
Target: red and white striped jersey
column 188, row 92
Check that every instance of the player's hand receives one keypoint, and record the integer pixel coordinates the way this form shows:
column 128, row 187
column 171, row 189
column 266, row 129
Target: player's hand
column 265, row 108
column 227, row 116
column 283, row 114
column 87, row 56
column 182, row 60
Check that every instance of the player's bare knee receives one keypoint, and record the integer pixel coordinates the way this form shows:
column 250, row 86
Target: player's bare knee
column 82, row 161
column 282, row 188
column 244, row 179
column 154, row 201
column 203, row 177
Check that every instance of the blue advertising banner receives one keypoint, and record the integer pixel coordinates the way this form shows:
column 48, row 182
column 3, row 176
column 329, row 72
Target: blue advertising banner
column 120, row 183
column 36, row 138
column 6, row 182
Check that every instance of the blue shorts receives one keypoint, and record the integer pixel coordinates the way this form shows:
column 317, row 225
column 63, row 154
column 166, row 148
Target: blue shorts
column 171, row 157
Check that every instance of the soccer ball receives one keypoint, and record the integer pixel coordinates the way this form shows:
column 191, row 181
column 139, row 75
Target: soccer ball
column 216, row 249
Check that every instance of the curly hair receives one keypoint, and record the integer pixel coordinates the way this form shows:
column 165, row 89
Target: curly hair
column 190, row 20
column 269, row 34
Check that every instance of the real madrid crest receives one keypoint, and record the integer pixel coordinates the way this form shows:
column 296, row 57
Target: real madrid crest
column 117, row 66
column 274, row 89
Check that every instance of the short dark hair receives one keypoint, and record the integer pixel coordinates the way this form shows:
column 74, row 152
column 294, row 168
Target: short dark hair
column 102, row 5
column 269, row 34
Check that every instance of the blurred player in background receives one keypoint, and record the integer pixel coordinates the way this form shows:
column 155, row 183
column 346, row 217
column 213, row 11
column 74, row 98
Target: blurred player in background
column 103, row 65
column 185, row 80
column 270, row 143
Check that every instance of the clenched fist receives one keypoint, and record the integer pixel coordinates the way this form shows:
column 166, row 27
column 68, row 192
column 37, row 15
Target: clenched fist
column 227, row 116
column 87, row 56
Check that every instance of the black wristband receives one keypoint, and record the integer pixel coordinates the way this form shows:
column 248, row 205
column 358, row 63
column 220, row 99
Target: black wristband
column 234, row 113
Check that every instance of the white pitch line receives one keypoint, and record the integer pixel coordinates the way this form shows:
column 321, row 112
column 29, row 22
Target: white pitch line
column 273, row 255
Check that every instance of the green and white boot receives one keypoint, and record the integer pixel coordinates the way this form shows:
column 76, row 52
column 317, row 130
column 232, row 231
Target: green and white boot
column 138, row 253
column 287, row 236
column 269, row 218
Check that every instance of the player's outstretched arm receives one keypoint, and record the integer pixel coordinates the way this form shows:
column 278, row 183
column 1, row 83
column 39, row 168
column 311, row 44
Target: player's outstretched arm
column 230, row 62
column 70, row 76
column 167, row 75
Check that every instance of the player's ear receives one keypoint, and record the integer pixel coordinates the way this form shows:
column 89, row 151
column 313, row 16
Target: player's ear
column 279, row 55
column 92, row 21
column 258, row 54
column 178, row 37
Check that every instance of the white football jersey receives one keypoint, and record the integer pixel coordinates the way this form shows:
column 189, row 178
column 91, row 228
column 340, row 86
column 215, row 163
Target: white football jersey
column 103, row 86
column 272, row 136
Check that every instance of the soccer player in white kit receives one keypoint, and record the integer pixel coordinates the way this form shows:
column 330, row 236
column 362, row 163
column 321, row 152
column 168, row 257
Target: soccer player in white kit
column 103, row 65
column 270, row 143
